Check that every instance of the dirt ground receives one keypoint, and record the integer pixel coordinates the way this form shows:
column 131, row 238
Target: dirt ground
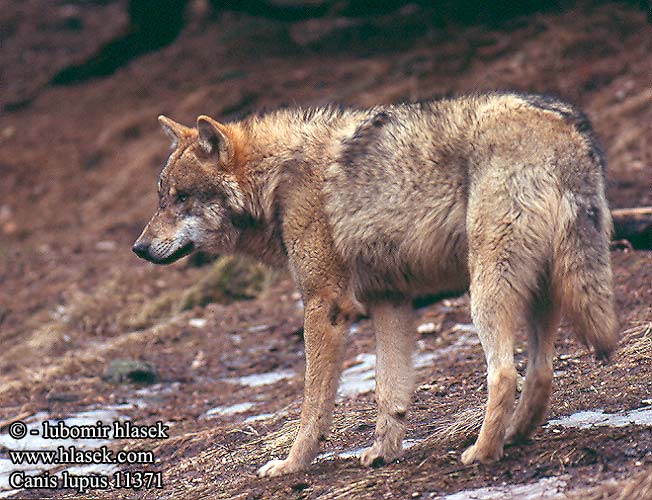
column 78, row 167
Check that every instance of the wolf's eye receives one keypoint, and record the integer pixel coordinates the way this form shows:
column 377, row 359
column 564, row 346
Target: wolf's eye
column 181, row 197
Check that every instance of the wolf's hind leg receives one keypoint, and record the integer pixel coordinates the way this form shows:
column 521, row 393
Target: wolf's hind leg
column 542, row 324
column 495, row 312
column 509, row 237
column 395, row 338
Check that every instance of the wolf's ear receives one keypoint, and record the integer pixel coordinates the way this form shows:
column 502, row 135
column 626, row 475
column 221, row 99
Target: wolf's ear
column 213, row 138
column 173, row 129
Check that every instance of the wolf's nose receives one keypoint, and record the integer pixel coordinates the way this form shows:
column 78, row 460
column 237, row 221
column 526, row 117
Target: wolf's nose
column 141, row 249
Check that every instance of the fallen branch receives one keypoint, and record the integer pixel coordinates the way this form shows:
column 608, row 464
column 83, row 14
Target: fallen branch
column 633, row 225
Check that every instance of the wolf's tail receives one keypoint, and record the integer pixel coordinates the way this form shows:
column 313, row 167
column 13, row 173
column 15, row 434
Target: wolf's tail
column 582, row 271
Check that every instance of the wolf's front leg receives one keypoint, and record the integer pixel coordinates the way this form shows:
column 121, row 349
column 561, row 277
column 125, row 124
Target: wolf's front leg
column 395, row 338
column 324, row 338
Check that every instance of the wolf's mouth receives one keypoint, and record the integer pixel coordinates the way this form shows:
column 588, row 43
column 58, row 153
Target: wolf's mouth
column 176, row 255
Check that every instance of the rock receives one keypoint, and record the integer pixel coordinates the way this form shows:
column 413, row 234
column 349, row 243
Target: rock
column 121, row 371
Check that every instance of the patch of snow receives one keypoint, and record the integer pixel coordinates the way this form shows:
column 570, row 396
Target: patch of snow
column 429, row 327
column 258, row 328
column 260, row 379
column 61, row 313
column 7, row 493
column 84, row 470
column 548, row 487
column 464, row 327
column 597, row 418
column 423, row 359
column 258, row 418
column 357, row 452
column 157, row 389
column 197, row 322
column 130, row 405
column 359, row 378
column 229, row 410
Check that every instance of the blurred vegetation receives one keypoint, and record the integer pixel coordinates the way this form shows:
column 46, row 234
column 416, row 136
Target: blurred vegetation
column 229, row 279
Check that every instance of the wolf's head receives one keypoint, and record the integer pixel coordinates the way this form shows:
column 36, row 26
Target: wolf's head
column 199, row 194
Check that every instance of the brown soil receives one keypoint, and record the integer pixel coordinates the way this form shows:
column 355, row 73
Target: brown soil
column 78, row 167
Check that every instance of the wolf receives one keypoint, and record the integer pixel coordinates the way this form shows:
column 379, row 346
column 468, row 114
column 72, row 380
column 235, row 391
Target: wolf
column 501, row 194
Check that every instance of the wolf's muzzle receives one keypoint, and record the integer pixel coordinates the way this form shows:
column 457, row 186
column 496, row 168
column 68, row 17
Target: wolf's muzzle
column 144, row 251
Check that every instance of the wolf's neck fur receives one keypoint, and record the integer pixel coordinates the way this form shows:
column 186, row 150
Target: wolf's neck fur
column 284, row 139
column 274, row 145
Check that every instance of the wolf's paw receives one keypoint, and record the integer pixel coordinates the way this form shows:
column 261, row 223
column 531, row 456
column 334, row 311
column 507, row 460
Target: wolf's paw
column 514, row 435
column 275, row 468
column 380, row 454
column 482, row 455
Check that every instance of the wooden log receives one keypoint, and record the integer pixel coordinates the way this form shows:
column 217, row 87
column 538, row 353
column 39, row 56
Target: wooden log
column 633, row 225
